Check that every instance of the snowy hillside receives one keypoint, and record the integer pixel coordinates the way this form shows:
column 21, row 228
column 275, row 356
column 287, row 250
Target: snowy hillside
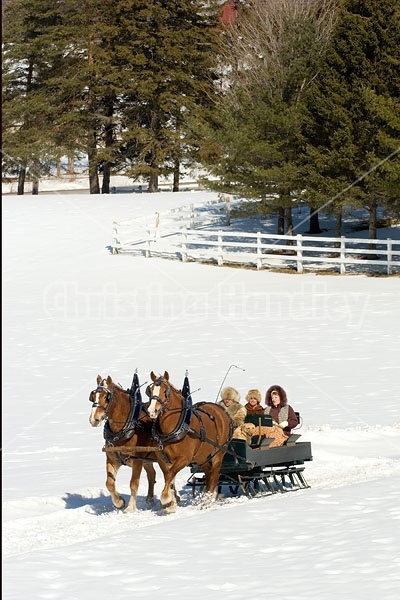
column 72, row 310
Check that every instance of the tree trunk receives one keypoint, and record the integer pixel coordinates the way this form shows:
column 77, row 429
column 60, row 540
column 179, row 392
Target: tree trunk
column 92, row 157
column 94, row 186
column 281, row 221
column 105, row 187
column 152, row 158
column 35, row 186
column 338, row 224
column 58, row 167
column 372, row 222
column 35, row 177
column 21, row 179
column 71, row 168
column 153, row 182
column 372, row 228
column 289, row 224
column 108, row 141
column 314, row 221
column 175, row 187
column 24, row 162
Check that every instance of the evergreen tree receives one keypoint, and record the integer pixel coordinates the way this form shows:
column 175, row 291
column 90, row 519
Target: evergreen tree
column 353, row 130
column 271, row 57
column 126, row 77
column 175, row 43
column 29, row 58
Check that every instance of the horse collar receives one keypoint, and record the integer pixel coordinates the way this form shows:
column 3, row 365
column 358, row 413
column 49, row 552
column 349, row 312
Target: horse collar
column 128, row 429
column 180, row 430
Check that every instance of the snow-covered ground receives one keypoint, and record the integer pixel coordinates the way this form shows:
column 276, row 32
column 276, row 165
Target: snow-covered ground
column 72, row 310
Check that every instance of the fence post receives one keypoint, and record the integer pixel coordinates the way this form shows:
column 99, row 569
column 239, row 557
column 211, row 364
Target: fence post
column 220, row 254
column 259, row 253
column 389, row 256
column 299, row 251
column 228, row 210
column 157, row 224
column 342, row 255
column 192, row 223
column 184, row 246
column 116, row 241
column 148, row 253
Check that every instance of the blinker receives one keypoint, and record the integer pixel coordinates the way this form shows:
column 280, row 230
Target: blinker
column 98, row 390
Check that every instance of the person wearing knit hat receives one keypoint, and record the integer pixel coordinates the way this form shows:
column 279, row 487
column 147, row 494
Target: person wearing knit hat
column 230, row 401
column 253, row 405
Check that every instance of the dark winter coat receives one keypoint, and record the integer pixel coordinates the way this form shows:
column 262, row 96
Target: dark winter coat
column 282, row 412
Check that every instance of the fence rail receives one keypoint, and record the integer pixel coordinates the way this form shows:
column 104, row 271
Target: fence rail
column 267, row 250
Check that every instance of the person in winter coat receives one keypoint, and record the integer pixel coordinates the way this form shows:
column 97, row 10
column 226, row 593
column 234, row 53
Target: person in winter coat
column 253, row 406
column 277, row 407
column 230, row 401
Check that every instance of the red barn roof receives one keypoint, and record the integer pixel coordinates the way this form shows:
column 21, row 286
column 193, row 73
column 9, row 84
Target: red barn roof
column 229, row 12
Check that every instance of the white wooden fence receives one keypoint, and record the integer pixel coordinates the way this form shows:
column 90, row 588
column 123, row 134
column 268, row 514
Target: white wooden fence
column 265, row 250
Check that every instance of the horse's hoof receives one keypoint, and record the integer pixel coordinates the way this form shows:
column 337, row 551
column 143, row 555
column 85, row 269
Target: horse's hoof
column 120, row 506
column 208, row 500
column 168, row 508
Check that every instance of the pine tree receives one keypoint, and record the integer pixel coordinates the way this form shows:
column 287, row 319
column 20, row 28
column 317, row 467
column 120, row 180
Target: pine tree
column 353, row 130
column 271, row 57
column 29, row 59
column 174, row 48
column 126, row 77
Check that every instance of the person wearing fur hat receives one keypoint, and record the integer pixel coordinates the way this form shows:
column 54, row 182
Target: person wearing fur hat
column 278, row 408
column 237, row 412
column 253, row 406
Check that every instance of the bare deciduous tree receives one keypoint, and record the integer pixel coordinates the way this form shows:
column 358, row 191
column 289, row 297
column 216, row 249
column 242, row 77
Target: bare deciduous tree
column 275, row 41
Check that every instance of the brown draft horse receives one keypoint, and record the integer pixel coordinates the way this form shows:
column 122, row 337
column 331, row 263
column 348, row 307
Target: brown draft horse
column 197, row 435
column 113, row 403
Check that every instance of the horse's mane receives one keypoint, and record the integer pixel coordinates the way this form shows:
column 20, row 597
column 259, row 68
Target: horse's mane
column 171, row 385
column 120, row 388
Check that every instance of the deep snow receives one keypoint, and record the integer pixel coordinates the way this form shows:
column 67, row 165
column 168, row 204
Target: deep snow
column 72, row 310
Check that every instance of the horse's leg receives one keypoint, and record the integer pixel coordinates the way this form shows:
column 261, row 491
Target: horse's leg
column 166, row 498
column 151, row 478
column 212, row 472
column 177, row 497
column 169, row 496
column 134, row 484
column 112, row 466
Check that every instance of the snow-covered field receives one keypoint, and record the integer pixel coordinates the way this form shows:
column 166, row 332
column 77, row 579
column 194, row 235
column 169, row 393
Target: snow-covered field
column 72, row 310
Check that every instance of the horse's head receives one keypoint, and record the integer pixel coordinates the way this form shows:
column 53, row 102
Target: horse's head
column 158, row 392
column 100, row 399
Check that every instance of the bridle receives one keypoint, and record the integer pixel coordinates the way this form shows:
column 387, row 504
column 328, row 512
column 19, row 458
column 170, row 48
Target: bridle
column 157, row 383
column 100, row 389
column 185, row 410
